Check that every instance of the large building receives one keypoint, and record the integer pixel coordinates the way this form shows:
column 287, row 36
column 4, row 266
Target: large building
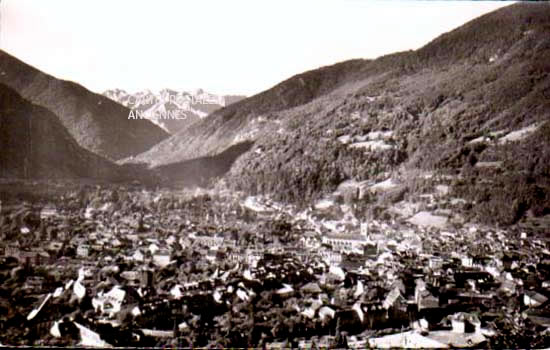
column 347, row 243
column 210, row 241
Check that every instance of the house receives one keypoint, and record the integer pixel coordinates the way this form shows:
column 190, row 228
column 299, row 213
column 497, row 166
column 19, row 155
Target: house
column 434, row 278
column 34, row 283
column 211, row 255
column 62, row 233
column 235, row 257
column 302, row 256
column 435, row 262
column 345, row 243
column 29, row 257
column 13, row 250
column 539, row 318
column 370, row 250
column 423, row 298
column 463, row 276
column 98, row 247
column 534, row 299
column 309, row 242
column 467, row 261
column 352, row 261
column 48, row 212
column 133, row 277
column 330, row 257
column 161, row 257
column 408, row 340
column 481, row 261
column 462, row 322
column 427, row 301
column 210, row 241
column 393, row 298
column 138, row 256
column 83, row 250
column 311, row 288
column 253, row 256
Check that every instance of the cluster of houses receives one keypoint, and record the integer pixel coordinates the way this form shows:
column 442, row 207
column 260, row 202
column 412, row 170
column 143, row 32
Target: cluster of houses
column 174, row 277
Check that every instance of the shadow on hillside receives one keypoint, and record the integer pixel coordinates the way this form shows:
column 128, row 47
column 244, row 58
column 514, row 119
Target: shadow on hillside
column 200, row 171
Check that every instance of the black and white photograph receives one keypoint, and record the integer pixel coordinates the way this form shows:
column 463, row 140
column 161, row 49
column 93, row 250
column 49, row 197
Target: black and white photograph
column 275, row 174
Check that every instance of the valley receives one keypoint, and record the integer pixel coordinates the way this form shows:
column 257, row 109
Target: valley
column 396, row 202
column 103, row 266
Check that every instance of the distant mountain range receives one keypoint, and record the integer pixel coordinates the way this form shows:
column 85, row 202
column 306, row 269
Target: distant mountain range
column 171, row 110
column 471, row 107
column 96, row 122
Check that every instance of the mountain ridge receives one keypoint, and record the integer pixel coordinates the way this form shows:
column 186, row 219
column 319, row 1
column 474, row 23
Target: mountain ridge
column 218, row 133
column 32, row 139
column 401, row 114
column 97, row 123
column 435, row 104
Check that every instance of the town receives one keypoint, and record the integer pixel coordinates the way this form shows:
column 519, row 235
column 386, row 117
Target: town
column 103, row 267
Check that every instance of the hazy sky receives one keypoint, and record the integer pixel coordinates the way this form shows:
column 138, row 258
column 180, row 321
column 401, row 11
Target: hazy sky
column 229, row 47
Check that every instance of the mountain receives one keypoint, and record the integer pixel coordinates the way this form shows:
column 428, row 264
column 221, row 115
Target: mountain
column 242, row 120
column 35, row 145
column 466, row 115
column 171, row 110
column 200, row 171
column 96, row 122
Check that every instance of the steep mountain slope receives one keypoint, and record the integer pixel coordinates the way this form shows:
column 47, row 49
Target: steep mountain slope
column 471, row 107
column 171, row 110
column 240, row 121
column 96, row 122
column 34, row 145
